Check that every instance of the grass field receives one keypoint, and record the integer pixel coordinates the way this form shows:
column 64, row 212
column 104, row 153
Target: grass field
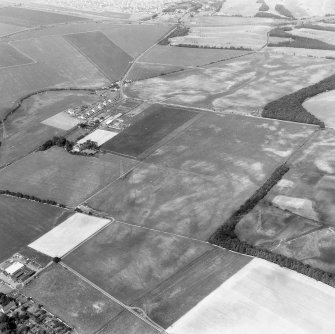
column 142, row 135
column 179, row 294
column 23, row 221
column 23, row 131
column 58, row 65
column 68, row 235
column 128, row 261
column 322, row 106
column 141, row 71
column 10, row 56
column 321, row 35
column 182, row 56
column 128, row 323
column 109, row 58
column 299, row 52
column 30, row 18
column 251, row 37
column 73, row 300
column 262, row 296
column 242, row 85
column 182, row 187
column 63, row 177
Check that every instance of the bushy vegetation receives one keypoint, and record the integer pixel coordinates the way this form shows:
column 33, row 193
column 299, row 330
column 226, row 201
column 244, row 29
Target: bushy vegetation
column 282, row 10
column 298, row 41
column 88, row 145
column 264, row 7
column 289, row 107
column 268, row 15
column 30, row 197
column 315, row 27
column 178, row 32
column 195, row 46
column 226, row 237
column 57, row 141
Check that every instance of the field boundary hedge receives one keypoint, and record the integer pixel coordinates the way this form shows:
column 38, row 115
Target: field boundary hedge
column 289, row 107
column 226, row 237
column 178, row 32
column 31, row 198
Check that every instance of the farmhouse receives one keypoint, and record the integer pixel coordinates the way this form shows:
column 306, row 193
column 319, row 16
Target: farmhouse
column 14, row 268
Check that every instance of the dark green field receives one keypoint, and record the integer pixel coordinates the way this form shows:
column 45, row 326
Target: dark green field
column 139, row 137
column 110, row 59
column 23, row 221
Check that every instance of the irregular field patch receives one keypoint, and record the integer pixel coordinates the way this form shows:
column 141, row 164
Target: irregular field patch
column 182, row 186
column 7, row 29
column 142, row 135
column 10, row 56
column 242, row 85
column 67, row 296
column 23, row 132
column 30, row 18
column 23, row 221
column 182, row 56
column 128, row 261
column 61, row 121
column 111, row 59
column 265, row 296
column 68, row 235
column 58, row 65
column 63, row 177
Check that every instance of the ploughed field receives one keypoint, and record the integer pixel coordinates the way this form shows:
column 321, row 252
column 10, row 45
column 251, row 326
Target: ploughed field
column 297, row 217
column 22, row 221
column 192, row 183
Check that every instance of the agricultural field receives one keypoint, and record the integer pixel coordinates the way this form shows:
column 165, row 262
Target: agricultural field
column 182, row 186
column 260, row 296
column 68, row 235
column 183, row 56
column 10, row 56
column 185, row 289
column 297, row 217
column 7, row 29
column 98, row 136
column 72, row 299
column 243, row 85
column 107, row 56
column 142, row 71
column 240, row 7
column 160, row 122
column 250, row 37
column 65, row 178
column 128, row 261
column 62, row 121
column 301, row 52
column 58, row 65
column 29, row 18
column 322, row 106
column 321, row 35
column 29, row 126
column 23, row 221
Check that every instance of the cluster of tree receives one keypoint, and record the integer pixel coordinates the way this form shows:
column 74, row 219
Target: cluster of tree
column 298, row 41
column 239, row 48
column 30, row 197
column 289, row 107
column 264, row 7
column 178, row 32
column 4, row 299
column 89, row 145
column 282, row 10
column 226, row 237
column 57, row 141
column 267, row 15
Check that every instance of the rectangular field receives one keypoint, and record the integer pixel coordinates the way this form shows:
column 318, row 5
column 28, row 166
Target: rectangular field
column 10, row 56
column 128, row 261
column 63, row 177
column 72, row 299
column 22, row 221
column 139, row 137
column 30, row 18
column 264, row 296
column 69, row 234
column 110, row 59
column 99, row 136
column 61, row 121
